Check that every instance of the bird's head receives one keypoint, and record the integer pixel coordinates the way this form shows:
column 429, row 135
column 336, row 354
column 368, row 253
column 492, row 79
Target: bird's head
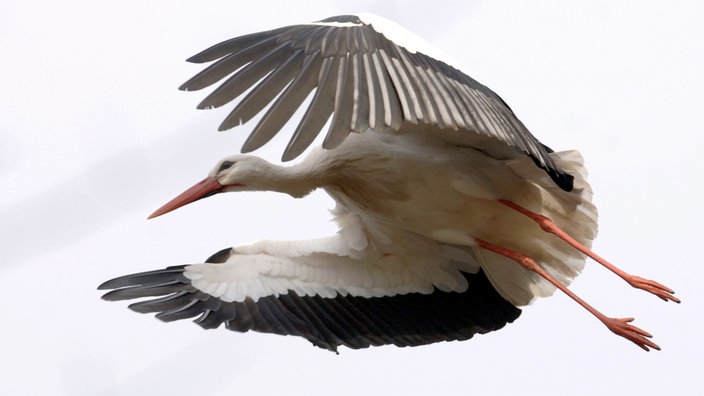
column 233, row 173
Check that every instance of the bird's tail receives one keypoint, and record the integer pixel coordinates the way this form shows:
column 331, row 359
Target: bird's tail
column 572, row 211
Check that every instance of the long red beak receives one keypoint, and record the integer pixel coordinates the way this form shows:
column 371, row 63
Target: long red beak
column 204, row 188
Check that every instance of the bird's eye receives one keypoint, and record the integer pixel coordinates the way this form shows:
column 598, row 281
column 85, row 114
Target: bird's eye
column 225, row 165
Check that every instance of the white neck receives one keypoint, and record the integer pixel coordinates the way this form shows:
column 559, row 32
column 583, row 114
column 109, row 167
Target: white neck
column 297, row 180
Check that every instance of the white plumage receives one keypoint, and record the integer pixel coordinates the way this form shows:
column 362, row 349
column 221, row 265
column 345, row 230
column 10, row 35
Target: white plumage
column 382, row 231
column 438, row 195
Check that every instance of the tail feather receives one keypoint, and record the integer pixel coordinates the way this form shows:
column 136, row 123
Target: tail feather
column 572, row 211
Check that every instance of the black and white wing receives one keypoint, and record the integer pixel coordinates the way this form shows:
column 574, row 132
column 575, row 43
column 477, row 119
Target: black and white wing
column 327, row 322
column 367, row 73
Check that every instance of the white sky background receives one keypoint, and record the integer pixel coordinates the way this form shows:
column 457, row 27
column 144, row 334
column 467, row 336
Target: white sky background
column 94, row 136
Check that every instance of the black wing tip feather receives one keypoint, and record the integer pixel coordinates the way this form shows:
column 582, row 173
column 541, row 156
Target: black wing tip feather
column 220, row 256
column 197, row 58
column 141, row 278
column 356, row 322
column 564, row 180
column 343, row 19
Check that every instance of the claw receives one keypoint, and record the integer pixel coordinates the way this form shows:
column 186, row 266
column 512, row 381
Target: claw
column 638, row 336
column 660, row 290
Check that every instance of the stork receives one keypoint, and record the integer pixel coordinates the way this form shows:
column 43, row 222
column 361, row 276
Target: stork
column 451, row 213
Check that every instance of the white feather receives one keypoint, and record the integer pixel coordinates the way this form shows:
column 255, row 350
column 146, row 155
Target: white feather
column 401, row 234
column 572, row 211
column 398, row 34
column 335, row 265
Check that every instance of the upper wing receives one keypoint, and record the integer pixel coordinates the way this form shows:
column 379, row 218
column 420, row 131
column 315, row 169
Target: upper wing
column 367, row 72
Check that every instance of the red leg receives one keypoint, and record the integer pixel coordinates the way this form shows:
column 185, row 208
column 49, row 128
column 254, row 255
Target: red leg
column 619, row 326
column 547, row 225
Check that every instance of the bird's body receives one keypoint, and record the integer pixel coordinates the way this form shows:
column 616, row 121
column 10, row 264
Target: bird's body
column 443, row 199
column 379, row 183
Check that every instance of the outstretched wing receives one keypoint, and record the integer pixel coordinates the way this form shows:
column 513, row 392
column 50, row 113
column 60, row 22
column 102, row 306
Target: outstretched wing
column 332, row 291
column 328, row 322
column 367, row 73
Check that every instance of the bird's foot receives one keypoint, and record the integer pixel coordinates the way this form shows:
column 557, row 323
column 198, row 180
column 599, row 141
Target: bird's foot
column 662, row 291
column 622, row 327
column 547, row 225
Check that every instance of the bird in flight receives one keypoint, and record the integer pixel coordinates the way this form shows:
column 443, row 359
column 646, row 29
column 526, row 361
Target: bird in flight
column 451, row 213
